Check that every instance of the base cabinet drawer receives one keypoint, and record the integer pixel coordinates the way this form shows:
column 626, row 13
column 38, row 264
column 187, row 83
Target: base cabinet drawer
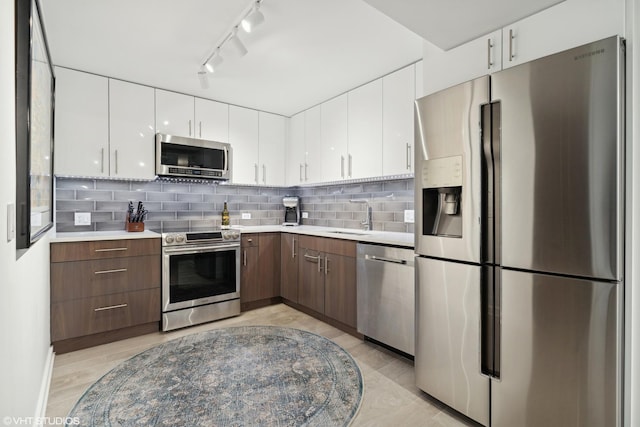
column 84, row 279
column 101, row 249
column 104, row 313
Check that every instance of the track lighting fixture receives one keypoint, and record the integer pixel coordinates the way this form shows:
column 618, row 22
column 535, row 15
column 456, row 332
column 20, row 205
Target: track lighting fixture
column 251, row 18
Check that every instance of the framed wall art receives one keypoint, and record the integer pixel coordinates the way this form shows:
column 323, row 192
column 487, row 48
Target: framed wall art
column 35, row 96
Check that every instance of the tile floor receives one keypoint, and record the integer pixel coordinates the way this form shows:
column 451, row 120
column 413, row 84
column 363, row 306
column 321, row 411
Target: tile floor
column 390, row 395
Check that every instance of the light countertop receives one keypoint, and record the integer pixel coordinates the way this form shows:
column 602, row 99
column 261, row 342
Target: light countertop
column 83, row 236
column 373, row 236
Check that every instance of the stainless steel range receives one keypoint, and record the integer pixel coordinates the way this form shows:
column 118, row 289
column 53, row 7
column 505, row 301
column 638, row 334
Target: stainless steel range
column 200, row 277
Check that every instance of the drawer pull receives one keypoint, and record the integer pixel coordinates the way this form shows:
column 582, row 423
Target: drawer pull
column 119, row 270
column 111, row 307
column 311, row 258
column 111, row 249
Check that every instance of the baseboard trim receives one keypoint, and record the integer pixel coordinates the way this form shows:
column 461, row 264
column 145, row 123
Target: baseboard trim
column 43, row 396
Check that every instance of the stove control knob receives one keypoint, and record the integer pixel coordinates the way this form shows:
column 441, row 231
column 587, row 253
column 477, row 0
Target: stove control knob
column 235, row 235
column 179, row 238
column 169, row 239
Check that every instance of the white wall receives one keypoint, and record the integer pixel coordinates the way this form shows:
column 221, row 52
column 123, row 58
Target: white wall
column 24, row 283
column 632, row 292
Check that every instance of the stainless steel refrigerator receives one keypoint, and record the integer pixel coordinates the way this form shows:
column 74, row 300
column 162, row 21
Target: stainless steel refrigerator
column 519, row 242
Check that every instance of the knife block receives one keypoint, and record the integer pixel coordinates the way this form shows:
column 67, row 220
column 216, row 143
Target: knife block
column 133, row 226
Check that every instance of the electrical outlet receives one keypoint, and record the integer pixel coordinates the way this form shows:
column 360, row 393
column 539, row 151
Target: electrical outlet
column 409, row 216
column 305, row 215
column 246, row 215
column 82, row 218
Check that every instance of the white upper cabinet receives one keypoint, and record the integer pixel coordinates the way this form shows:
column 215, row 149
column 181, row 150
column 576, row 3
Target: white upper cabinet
column 271, row 149
column 471, row 60
column 211, row 120
column 568, row 24
column 398, row 94
column 81, row 124
column 244, row 137
column 175, row 113
column 131, row 130
column 334, row 137
column 365, row 131
column 313, row 148
column 419, row 75
column 294, row 150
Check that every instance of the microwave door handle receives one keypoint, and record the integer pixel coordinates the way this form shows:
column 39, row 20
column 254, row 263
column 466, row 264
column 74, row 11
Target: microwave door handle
column 226, row 159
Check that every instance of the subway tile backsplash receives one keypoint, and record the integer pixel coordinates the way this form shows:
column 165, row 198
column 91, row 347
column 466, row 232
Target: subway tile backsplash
column 198, row 206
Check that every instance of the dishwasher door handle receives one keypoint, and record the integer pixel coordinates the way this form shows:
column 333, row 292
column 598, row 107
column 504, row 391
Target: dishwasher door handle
column 385, row 259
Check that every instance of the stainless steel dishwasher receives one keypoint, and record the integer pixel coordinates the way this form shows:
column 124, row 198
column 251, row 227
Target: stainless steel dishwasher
column 386, row 295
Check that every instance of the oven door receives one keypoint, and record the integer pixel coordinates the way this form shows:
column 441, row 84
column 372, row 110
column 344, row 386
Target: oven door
column 193, row 276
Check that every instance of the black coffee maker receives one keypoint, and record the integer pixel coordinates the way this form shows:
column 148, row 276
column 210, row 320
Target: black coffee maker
column 292, row 210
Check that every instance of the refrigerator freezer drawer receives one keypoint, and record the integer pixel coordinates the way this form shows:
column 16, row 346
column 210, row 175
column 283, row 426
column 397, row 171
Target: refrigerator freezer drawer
column 447, row 359
column 561, row 344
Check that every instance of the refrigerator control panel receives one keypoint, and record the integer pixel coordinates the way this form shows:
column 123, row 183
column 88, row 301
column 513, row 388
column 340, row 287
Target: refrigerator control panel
column 443, row 172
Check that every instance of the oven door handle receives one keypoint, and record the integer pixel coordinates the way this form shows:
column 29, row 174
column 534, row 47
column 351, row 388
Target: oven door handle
column 200, row 249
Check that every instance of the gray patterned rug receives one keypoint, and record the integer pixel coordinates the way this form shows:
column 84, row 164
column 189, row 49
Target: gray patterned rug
column 244, row 376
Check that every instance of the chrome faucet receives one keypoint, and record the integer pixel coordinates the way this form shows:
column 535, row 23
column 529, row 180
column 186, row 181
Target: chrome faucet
column 367, row 223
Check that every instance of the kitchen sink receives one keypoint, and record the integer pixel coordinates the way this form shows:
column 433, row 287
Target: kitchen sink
column 354, row 233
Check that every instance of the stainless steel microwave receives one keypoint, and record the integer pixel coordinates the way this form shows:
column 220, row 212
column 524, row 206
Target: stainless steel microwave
column 194, row 158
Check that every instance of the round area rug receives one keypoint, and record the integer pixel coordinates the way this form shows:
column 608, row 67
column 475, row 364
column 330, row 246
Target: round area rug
column 243, row 376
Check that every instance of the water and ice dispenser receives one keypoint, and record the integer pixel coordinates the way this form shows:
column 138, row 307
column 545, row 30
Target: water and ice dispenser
column 442, row 197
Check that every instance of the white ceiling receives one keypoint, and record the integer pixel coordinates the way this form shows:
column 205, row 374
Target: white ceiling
column 305, row 52
column 450, row 23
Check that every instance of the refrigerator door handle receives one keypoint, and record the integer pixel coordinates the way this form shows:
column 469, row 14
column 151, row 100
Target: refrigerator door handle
column 490, row 327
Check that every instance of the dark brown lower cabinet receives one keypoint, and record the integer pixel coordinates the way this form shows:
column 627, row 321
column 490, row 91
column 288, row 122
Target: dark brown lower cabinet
column 260, row 270
column 102, row 291
column 327, row 278
column 289, row 266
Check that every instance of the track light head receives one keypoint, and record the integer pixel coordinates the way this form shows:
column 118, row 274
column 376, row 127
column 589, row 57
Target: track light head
column 214, row 61
column 253, row 19
column 237, row 43
column 204, row 79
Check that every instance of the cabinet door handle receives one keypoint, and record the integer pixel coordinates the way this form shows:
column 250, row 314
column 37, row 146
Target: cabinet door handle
column 116, row 156
column 111, row 307
column 119, row 270
column 293, row 248
column 319, row 264
column 255, row 172
column 264, row 173
column 200, row 128
column 350, row 165
column 111, row 249
column 306, row 171
column 489, row 46
column 342, row 166
column 189, row 127
column 311, row 258
column 244, row 257
column 511, row 56
column 300, row 172
column 408, row 156
column 102, row 161
column 326, row 265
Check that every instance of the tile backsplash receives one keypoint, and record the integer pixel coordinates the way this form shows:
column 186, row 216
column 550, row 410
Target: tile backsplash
column 198, row 206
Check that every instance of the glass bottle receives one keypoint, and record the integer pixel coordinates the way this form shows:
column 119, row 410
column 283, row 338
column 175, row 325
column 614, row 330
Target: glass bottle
column 225, row 215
